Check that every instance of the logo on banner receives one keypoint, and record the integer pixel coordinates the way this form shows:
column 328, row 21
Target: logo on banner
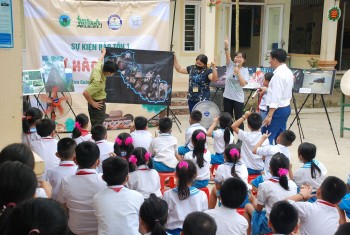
column 87, row 23
column 114, row 22
column 135, row 21
column 64, row 20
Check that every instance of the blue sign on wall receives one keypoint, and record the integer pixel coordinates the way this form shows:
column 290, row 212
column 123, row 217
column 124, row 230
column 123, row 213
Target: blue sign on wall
column 6, row 24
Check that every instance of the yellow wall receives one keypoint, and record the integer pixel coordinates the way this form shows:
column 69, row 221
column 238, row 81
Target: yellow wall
column 300, row 60
column 11, row 88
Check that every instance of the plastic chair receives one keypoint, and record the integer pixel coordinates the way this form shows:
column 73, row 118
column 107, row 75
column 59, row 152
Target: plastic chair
column 206, row 190
column 213, row 168
column 165, row 175
column 251, row 177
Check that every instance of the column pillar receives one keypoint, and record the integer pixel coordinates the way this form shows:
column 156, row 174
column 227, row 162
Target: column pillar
column 208, row 30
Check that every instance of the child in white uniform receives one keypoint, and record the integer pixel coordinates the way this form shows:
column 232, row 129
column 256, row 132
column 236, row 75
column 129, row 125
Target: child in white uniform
column 271, row 191
column 141, row 136
column 80, row 132
column 200, row 156
column 144, row 179
column 232, row 194
column 29, row 121
column 124, row 145
column 199, row 223
column 231, row 168
column 67, row 167
column 99, row 135
column 283, row 218
column 76, row 192
column 222, row 137
column 185, row 198
column 263, row 93
column 117, row 207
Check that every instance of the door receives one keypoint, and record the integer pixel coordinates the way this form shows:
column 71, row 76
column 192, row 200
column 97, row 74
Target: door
column 226, row 17
column 272, row 31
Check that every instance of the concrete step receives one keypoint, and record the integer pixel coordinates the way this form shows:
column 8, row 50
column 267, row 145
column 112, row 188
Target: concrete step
column 178, row 102
column 179, row 94
column 180, row 110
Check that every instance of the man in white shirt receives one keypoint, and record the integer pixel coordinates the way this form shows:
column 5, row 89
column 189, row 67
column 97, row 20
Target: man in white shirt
column 99, row 135
column 141, row 136
column 278, row 95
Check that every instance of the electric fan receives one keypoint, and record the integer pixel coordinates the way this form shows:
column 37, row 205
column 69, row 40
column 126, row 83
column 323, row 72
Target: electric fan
column 55, row 104
column 209, row 111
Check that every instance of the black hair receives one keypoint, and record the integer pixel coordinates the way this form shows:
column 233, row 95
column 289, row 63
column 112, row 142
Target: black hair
column 233, row 159
column 283, row 217
column 83, row 121
column 287, row 137
column 279, row 54
column 233, row 192
column 244, row 55
column 18, row 152
column 154, row 213
column 343, row 229
column 45, row 216
column 255, row 121
column 125, row 148
column 140, row 155
column 199, row 223
column 202, row 58
column 115, row 170
column 45, row 127
column 140, row 123
column 87, row 153
column 199, row 146
column 32, row 115
column 308, row 152
column 26, row 106
column 278, row 161
column 165, row 125
column 66, row 148
column 225, row 122
column 196, row 116
column 18, row 183
column 186, row 172
column 98, row 132
column 268, row 76
column 333, row 189
column 109, row 67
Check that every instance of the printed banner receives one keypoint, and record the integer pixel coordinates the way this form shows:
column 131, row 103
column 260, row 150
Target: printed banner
column 143, row 77
column 78, row 30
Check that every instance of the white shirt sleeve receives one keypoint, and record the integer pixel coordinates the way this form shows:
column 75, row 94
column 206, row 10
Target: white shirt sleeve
column 265, row 151
column 302, row 208
column 60, row 194
column 261, row 197
column 242, row 135
column 219, row 174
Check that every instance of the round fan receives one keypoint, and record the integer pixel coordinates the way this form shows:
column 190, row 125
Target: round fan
column 209, row 111
column 56, row 104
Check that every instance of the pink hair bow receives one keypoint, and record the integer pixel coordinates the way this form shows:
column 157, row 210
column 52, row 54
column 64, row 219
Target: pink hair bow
column 282, row 171
column 128, row 141
column 77, row 125
column 147, row 156
column 200, row 136
column 118, row 141
column 234, row 152
column 133, row 159
column 183, row 164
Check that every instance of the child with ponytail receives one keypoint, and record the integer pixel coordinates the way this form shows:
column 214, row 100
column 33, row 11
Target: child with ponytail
column 231, row 168
column 222, row 137
column 200, row 156
column 80, row 133
column 185, row 198
column 144, row 179
column 123, row 146
column 29, row 121
column 277, row 188
column 153, row 216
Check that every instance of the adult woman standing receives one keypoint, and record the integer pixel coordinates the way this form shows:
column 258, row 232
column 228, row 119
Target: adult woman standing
column 237, row 77
column 200, row 77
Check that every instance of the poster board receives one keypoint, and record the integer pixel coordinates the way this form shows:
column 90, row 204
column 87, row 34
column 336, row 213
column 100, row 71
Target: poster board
column 319, row 82
column 32, row 82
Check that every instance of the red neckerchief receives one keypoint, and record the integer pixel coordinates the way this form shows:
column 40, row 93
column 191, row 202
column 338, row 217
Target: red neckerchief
column 67, row 164
column 324, row 202
column 82, row 172
column 84, row 132
column 47, row 138
column 116, row 188
column 99, row 142
column 274, row 179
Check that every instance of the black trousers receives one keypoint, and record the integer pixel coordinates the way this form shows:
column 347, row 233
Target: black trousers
column 235, row 109
column 97, row 116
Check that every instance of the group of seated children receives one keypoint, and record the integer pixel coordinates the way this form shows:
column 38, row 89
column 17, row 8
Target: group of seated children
column 114, row 188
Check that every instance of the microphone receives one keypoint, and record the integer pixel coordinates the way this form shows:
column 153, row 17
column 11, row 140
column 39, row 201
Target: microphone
column 255, row 93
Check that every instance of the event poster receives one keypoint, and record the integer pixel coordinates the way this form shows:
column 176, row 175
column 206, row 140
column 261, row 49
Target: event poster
column 142, row 77
column 32, row 82
column 6, row 24
column 318, row 82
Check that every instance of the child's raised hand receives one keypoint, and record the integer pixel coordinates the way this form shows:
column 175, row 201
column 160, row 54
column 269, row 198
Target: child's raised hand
column 266, row 135
column 305, row 191
column 112, row 154
column 248, row 112
column 226, row 45
column 216, row 119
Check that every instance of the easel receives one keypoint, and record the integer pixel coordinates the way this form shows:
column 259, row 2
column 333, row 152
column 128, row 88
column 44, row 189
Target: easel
column 298, row 119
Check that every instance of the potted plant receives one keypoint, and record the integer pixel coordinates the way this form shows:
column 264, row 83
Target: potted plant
column 313, row 63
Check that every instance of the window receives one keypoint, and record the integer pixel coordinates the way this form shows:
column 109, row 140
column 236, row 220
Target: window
column 192, row 27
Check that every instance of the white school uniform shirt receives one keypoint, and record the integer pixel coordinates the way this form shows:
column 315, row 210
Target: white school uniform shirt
column 81, row 138
column 46, row 148
column 249, row 140
column 224, row 172
column 163, row 148
column 40, row 192
column 106, row 148
column 141, row 138
column 228, row 221
column 268, row 151
column 117, row 212
column 179, row 209
column 219, row 142
column 203, row 173
column 303, row 175
column 189, row 132
column 270, row 192
column 55, row 175
column 145, row 181
column 262, row 105
column 279, row 91
column 320, row 217
column 28, row 138
column 77, row 192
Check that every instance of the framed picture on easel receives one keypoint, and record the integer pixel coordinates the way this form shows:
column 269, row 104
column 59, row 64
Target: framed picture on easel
column 318, row 82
